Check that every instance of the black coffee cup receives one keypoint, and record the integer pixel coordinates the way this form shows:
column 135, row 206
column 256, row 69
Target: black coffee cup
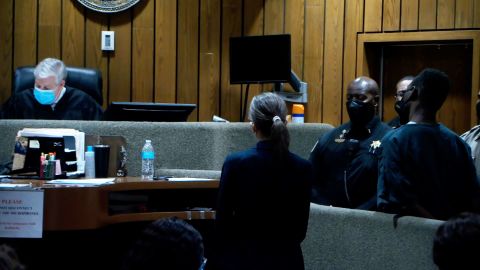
column 102, row 156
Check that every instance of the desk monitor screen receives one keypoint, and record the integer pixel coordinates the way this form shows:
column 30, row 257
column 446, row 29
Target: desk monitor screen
column 260, row 59
column 151, row 112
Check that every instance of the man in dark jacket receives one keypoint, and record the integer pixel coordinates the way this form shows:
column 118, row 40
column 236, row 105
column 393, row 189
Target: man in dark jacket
column 344, row 160
column 425, row 169
column 50, row 98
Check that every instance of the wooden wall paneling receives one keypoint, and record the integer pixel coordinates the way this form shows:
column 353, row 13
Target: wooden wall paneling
column 295, row 26
column 333, row 60
column 231, row 27
column 187, row 65
column 73, row 34
column 391, row 15
column 476, row 12
column 464, row 13
column 409, row 19
column 445, row 14
column 475, row 78
column 427, row 14
column 119, row 76
column 6, row 49
column 373, row 16
column 209, row 79
column 165, row 50
column 313, row 65
column 253, row 25
column 94, row 56
column 49, row 29
column 25, row 34
column 274, row 17
column 353, row 25
column 143, row 51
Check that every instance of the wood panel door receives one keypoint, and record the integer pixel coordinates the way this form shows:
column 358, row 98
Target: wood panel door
column 454, row 58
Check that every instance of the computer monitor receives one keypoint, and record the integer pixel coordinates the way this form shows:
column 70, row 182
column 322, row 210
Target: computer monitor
column 260, row 59
column 151, row 112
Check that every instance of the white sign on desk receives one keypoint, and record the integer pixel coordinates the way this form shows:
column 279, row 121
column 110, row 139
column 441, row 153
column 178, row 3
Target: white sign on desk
column 21, row 213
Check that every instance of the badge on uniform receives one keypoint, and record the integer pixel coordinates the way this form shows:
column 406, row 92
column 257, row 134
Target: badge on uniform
column 341, row 138
column 374, row 146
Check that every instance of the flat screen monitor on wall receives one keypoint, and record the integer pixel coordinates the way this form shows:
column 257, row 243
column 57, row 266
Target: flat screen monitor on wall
column 260, row 59
column 151, row 112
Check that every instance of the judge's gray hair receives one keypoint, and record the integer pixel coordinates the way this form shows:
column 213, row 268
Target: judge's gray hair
column 51, row 67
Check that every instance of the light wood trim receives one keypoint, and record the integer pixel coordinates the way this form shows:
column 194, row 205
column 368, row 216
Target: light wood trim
column 231, row 27
column 187, row 215
column 313, row 68
column 120, row 60
column 165, row 50
column 49, row 28
column 25, row 34
column 445, row 14
column 187, row 65
column 464, row 14
column 209, row 81
column 373, row 16
column 353, row 25
column 73, row 34
column 391, row 15
column 6, row 49
column 332, row 74
column 473, row 35
column 142, row 51
column 427, row 19
column 95, row 57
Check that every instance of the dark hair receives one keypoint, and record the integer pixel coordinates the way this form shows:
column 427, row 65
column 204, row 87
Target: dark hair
column 433, row 86
column 263, row 109
column 168, row 243
column 9, row 259
column 456, row 243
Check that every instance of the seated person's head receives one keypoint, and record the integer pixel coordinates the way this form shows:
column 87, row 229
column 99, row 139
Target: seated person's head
column 50, row 76
column 456, row 243
column 167, row 244
column 431, row 87
column 9, row 259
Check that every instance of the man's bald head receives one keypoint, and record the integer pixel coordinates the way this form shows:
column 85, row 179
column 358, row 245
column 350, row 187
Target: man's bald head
column 365, row 84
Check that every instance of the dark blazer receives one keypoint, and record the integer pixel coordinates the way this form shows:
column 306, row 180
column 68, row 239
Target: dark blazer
column 262, row 211
column 74, row 105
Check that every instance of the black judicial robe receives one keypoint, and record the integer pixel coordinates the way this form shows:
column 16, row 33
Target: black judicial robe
column 262, row 210
column 345, row 166
column 74, row 105
column 425, row 167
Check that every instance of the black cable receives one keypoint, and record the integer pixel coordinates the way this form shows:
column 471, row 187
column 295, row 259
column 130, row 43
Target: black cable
column 244, row 108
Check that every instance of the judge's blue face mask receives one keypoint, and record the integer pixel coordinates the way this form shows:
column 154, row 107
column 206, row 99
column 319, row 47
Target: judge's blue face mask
column 44, row 97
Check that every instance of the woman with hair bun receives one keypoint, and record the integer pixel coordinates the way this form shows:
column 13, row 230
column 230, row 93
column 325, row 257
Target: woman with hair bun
column 264, row 196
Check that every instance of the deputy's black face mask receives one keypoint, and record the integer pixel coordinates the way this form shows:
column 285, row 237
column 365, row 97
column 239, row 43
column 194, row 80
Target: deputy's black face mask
column 360, row 113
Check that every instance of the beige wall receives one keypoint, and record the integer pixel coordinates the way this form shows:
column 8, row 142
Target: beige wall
column 177, row 50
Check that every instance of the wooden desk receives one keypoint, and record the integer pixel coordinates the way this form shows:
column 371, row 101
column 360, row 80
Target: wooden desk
column 69, row 207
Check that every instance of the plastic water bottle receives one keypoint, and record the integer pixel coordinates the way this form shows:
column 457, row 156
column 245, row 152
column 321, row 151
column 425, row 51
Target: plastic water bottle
column 298, row 113
column 148, row 158
column 89, row 162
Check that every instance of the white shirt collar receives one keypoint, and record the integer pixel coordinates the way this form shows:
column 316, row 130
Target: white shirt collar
column 59, row 97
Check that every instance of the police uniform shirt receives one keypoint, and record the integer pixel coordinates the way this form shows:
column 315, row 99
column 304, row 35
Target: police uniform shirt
column 345, row 166
column 425, row 169
column 73, row 105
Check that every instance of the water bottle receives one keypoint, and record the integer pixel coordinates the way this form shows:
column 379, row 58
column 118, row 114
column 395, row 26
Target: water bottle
column 89, row 162
column 298, row 113
column 148, row 158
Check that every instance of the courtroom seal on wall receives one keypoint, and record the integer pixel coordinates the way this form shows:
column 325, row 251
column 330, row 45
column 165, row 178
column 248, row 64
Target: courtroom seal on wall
column 108, row 6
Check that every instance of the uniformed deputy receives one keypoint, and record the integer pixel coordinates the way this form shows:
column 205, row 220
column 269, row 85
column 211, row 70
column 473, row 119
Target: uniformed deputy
column 344, row 160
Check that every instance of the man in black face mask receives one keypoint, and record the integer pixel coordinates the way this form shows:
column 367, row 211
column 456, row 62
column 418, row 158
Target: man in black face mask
column 344, row 160
column 472, row 138
column 425, row 169
column 402, row 117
